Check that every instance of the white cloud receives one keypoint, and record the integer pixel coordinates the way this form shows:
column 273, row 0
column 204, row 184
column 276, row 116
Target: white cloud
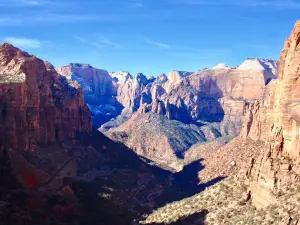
column 23, row 42
column 158, row 44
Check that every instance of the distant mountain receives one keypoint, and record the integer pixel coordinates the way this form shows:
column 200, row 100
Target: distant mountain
column 99, row 89
column 213, row 101
column 221, row 66
column 255, row 64
column 121, row 76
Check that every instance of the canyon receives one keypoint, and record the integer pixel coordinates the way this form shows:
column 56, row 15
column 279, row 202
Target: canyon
column 207, row 105
column 53, row 163
column 266, row 185
column 80, row 144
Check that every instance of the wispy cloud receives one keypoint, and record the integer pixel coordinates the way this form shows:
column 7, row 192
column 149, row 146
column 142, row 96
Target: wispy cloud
column 244, row 3
column 65, row 18
column 21, row 3
column 30, row 2
column 103, row 41
column 137, row 3
column 33, row 3
column 22, row 42
column 158, row 44
column 100, row 42
column 80, row 39
column 53, row 18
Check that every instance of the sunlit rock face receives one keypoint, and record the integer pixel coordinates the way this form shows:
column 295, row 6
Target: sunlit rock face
column 275, row 120
column 120, row 77
column 131, row 93
column 99, row 88
column 278, row 112
column 37, row 104
column 217, row 95
column 206, row 105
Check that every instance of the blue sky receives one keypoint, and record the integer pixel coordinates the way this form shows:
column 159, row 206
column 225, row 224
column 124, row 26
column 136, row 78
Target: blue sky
column 149, row 36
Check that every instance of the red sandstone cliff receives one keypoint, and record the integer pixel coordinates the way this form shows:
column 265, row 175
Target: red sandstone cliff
column 37, row 105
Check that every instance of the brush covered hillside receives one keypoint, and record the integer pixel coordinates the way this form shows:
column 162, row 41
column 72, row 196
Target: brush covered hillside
column 56, row 169
column 265, row 190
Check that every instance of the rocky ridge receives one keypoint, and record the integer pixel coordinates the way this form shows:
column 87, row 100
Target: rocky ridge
column 99, row 89
column 212, row 100
column 275, row 120
column 37, row 105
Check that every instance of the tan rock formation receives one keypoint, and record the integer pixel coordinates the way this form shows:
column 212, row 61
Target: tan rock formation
column 93, row 81
column 130, row 93
column 99, row 89
column 37, row 105
column 275, row 120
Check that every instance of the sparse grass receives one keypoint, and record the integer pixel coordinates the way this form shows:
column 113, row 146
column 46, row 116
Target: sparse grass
column 225, row 205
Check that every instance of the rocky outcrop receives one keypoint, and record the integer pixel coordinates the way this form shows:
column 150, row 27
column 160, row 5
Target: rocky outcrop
column 162, row 140
column 120, row 77
column 218, row 95
column 131, row 93
column 212, row 101
column 269, row 66
column 99, row 88
column 221, row 66
column 37, row 105
column 211, row 95
column 275, row 120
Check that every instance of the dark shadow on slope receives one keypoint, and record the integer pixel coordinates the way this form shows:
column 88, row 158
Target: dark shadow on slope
column 188, row 183
column 194, row 219
column 127, row 186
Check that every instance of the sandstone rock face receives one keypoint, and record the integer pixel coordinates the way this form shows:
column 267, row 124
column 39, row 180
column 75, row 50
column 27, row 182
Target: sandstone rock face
column 275, row 120
column 222, row 66
column 213, row 101
column 175, row 77
column 270, row 66
column 130, row 94
column 216, row 95
column 37, row 105
column 99, row 88
column 277, row 113
column 121, row 76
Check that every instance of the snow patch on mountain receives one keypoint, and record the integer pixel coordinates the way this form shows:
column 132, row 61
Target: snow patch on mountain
column 120, row 77
column 221, row 66
column 256, row 64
